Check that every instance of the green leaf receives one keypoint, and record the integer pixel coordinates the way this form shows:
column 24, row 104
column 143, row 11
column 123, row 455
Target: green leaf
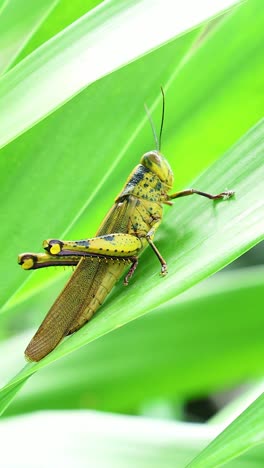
column 64, row 14
column 177, row 347
column 2, row 4
column 64, row 151
column 235, row 407
column 244, row 433
column 9, row 393
column 198, row 238
column 51, row 186
column 202, row 120
column 83, row 53
column 18, row 22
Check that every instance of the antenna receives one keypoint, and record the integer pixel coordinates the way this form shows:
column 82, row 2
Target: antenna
column 152, row 127
column 157, row 140
column 162, row 116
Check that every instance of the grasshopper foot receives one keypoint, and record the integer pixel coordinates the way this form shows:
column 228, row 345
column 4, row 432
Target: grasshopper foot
column 164, row 270
column 225, row 195
column 230, row 193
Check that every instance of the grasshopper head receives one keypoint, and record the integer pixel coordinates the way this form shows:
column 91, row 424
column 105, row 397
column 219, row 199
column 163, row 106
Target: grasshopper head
column 157, row 164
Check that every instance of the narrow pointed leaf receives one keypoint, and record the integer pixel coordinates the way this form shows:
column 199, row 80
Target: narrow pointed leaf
column 83, row 53
column 243, row 434
column 18, row 21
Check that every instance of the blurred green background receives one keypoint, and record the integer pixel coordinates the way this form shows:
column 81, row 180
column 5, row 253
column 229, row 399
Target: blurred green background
column 69, row 141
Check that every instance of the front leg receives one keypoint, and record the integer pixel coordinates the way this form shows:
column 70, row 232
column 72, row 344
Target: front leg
column 191, row 191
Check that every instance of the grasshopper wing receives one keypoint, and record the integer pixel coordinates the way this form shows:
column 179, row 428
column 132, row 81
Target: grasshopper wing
column 64, row 310
column 85, row 291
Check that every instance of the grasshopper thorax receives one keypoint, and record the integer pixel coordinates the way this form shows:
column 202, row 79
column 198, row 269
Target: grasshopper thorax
column 156, row 163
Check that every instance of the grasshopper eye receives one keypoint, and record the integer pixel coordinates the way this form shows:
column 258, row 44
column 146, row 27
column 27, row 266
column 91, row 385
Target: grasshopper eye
column 156, row 163
column 151, row 159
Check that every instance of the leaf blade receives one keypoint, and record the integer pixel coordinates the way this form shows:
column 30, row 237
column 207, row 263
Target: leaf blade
column 244, row 433
column 18, row 22
column 178, row 344
column 83, row 52
column 201, row 245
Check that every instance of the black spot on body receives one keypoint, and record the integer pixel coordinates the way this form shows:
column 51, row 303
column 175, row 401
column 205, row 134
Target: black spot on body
column 158, row 185
column 109, row 238
column 138, row 176
column 84, row 243
column 146, row 185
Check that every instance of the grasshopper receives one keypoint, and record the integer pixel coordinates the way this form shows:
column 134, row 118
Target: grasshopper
column 126, row 230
